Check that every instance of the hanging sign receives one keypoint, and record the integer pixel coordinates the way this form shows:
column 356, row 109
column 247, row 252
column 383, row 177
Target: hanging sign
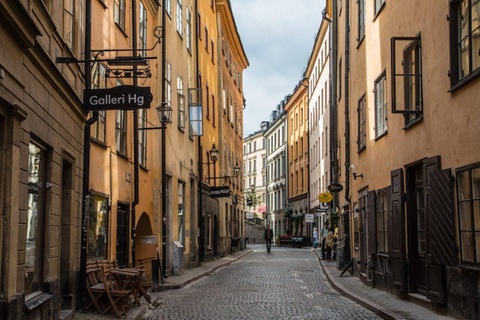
column 220, row 192
column 148, row 240
column 309, row 218
column 249, row 215
column 325, row 197
column 323, row 207
column 335, row 187
column 118, row 98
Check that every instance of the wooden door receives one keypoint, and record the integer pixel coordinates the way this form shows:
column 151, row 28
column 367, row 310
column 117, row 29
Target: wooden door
column 122, row 234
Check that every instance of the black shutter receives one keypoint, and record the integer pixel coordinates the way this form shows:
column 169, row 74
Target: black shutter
column 430, row 165
column 396, row 230
column 371, row 223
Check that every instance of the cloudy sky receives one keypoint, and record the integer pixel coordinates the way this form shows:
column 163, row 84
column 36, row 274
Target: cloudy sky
column 278, row 37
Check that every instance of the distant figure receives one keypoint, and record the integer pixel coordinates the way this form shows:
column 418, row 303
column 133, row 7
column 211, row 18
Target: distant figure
column 329, row 243
column 268, row 237
column 315, row 238
column 324, row 237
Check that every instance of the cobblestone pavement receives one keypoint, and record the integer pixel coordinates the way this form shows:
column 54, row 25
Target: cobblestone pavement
column 285, row 284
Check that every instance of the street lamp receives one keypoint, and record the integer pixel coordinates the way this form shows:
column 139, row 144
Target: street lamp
column 164, row 114
column 214, row 154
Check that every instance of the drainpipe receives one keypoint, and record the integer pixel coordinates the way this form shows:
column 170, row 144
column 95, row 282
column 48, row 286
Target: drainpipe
column 86, row 151
column 347, row 114
column 164, row 133
column 333, row 102
column 201, row 247
column 135, row 133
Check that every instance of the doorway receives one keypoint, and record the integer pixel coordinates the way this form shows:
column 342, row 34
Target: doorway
column 123, row 210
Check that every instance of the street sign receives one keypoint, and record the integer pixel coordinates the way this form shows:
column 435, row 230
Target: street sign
column 249, row 202
column 335, row 187
column 117, row 98
column 148, row 240
column 309, row 218
column 220, row 192
column 325, row 197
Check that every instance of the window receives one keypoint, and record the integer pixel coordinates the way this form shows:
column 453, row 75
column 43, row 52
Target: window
column 168, row 7
column 409, row 81
column 199, row 26
column 379, row 5
column 142, row 137
column 181, row 212
column 181, row 103
column 380, row 106
column 464, row 39
column 213, row 110
column 97, row 130
column 254, row 165
column 35, row 237
column 143, row 30
column 121, row 131
column 361, row 20
column 189, row 30
column 119, row 13
column 468, row 197
column 207, row 96
column 213, row 50
column 362, row 123
column 180, row 17
column 97, row 233
column 340, row 79
column 382, row 220
column 168, row 84
column 254, row 145
column 206, row 38
column 69, row 23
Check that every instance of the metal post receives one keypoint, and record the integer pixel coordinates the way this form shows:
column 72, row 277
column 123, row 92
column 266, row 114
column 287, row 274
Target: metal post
column 135, row 133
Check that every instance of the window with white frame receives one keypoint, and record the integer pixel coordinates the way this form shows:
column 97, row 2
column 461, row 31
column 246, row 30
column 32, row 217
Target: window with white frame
column 119, row 13
column 121, row 131
column 361, row 20
column 168, row 7
column 168, row 84
column 380, row 106
column 180, row 103
column 180, row 17
column 189, row 29
column 143, row 29
column 142, row 137
column 362, row 123
column 378, row 5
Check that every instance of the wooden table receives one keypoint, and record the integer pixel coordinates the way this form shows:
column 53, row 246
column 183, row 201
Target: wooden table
column 129, row 278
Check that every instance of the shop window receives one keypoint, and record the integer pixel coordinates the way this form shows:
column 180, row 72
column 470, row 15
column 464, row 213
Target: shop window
column 181, row 212
column 97, row 232
column 464, row 40
column 468, row 198
column 356, row 228
column 35, row 239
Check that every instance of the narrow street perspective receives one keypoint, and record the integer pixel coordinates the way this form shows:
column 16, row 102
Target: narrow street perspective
column 288, row 283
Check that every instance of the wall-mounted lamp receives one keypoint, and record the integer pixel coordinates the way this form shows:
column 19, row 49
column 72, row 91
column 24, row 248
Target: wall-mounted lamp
column 354, row 171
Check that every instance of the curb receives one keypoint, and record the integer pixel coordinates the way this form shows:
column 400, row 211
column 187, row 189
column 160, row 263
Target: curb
column 166, row 287
column 379, row 310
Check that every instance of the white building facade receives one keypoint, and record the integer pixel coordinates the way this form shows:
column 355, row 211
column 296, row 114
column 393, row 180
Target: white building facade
column 318, row 74
column 276, row 137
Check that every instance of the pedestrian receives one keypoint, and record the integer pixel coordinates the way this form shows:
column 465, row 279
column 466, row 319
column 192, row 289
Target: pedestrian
column 329, row 243
column 324, row 237
column 268, row 237
column 315, row 238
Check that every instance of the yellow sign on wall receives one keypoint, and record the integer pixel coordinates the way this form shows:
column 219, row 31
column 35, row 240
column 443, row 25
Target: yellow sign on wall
column 325, row 197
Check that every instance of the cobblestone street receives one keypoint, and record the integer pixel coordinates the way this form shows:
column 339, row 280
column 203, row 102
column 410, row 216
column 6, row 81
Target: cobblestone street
column 286, row 284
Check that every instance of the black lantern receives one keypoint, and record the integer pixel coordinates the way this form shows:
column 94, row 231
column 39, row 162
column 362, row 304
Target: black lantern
column 164, row 113
column 214, row 153
column 236, row 170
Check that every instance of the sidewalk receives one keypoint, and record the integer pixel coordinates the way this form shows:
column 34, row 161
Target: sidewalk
column 172, row 282
column 385, row 304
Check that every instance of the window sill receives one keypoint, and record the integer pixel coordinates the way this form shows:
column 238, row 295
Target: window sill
column 98, row 142
column 180, row 35
column 181, row 129
column 380, row 136
column 121, row 155
column 469, row 267
column 379, row 10
column 103, row 4
column 413, row 122
column 360, row 149
column 121, row 29
column 359, row 42
column 37, row 300
column 465, row 80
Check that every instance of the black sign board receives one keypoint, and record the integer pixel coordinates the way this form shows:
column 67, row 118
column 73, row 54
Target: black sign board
column 220, row 192
column 118, row 98
column 335, row 187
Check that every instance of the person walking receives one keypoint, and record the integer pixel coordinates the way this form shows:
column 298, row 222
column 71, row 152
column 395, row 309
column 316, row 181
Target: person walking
column 268, row 237
column 324, row 237
column 329, row 243
column 315, row 238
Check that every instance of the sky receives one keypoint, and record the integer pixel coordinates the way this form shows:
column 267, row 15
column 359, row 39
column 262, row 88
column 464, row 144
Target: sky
column 278, row 37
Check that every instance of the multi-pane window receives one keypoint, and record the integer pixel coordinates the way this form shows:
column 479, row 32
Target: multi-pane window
column 361, row 19
column 465, row 38
column 97, row 130
column 168, row 84
column 119, row 13
column 180, row 17
column 189, row 29
column 168, row 7
column 213, row 110
column 206, row 38
column 413, row 83
column 34, row 250
column 213, row 50
column 199, row 26
column 207, row 97
column 468, row 197
column 181, row 103
column 362, row 123
column 382, row 220
column 143, row 29
column 181, row 212
column 380, row 106
column 378, row 5
column 69, row 22
column 121, row 131
column 97, row 234
column 142, row 137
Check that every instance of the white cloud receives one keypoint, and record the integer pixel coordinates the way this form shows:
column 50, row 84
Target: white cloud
column 278, row 36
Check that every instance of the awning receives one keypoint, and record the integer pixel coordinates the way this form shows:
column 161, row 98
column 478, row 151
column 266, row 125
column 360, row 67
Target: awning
column 296, row 216
column 262, row 209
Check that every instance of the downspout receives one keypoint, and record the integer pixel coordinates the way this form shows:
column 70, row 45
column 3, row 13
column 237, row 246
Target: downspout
column 201, row 247
column 164, row 133
column 333, row 103
column 86, row 151
column 347, row 114
column 135, row 133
